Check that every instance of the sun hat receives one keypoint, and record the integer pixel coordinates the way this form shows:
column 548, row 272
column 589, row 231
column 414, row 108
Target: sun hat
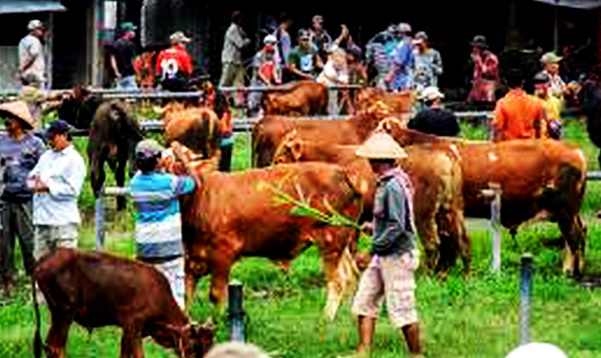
column 479, row 40
column 537, row 350
column 431, row 93
column 270, row 40
column 550, row 57
column 19, row 110
column 179, row 37
column 148, row 148
column 381, row 145
column 34, row 24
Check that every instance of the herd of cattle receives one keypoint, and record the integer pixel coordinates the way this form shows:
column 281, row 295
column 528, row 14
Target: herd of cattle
column 235, row 215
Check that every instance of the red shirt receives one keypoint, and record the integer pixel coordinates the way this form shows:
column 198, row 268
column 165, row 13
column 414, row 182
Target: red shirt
column 173, row 60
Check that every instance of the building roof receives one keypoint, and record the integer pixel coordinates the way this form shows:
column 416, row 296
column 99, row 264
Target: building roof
column 577, row 4
column 27, row 6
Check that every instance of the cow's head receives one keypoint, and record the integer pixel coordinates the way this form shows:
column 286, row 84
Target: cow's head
column 290, row 149
column 192, row 340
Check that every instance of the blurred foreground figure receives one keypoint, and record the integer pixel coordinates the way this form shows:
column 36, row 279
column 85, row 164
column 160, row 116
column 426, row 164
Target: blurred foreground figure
column 537, row 350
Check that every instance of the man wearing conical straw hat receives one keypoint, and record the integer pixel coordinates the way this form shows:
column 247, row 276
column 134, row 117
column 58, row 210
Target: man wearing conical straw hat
column 19, row 153
column 394, row 257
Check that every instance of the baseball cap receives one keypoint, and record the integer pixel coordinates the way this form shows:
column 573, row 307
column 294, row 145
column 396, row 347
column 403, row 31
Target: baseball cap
column 550, row 57
column 128, row 26
column 148, row 148
column 34, row 24
column 179, row 37
column 270, row 40
column 58, row 127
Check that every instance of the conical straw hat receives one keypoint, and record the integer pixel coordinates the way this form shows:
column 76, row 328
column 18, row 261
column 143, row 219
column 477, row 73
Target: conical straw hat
column 381, row 145
column 18, row 109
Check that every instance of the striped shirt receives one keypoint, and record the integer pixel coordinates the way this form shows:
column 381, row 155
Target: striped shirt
column 158, row 219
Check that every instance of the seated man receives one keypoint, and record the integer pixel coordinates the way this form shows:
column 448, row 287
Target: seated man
column 435, row 119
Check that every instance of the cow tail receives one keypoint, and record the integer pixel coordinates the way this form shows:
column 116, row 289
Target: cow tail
column 37, row 338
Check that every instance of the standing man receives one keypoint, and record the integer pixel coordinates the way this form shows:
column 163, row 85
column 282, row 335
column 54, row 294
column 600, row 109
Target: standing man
column 56, row 182
column 485, row 72
column 320, row 37
column 32, row 68
column 551, row 128
column 401, row 75
column 435, row 119
column 122, row 58
column 283, row 39
column 174, row 65
column 232, row 70
column 518, row 115
column 19, row 153
column 550, row 62
column 380, row 51
column 303, row 60
column 158, row 236
column 389, row 275
column 428, row 63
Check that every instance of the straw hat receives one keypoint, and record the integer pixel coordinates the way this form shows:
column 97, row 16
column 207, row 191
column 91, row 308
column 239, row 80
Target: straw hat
column 19, row 110
column 381, row 145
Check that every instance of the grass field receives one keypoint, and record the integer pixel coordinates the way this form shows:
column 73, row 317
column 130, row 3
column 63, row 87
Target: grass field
column 462, row 317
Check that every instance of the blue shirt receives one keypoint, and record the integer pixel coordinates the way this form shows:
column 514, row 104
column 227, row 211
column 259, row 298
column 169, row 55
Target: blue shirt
column 158, row 219
column 17, row 158
column 403, row 65
column 63, row 172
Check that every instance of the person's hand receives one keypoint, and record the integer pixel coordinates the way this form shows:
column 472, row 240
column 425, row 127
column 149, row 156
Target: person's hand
column 37, row 185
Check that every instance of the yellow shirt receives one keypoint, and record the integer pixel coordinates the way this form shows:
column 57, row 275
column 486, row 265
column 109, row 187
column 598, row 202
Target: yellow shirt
column 552, row 107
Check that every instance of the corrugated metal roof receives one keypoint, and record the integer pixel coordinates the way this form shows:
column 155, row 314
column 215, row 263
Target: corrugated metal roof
column 577, row 4
column 26, row 6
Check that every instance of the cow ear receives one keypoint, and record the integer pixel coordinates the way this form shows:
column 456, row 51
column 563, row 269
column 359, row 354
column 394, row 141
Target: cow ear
column 296, row 148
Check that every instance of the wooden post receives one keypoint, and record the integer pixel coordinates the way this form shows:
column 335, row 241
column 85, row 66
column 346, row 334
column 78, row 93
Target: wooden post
column 494, row 193
column 526, row 273
column 100, row 221
column 236, row 311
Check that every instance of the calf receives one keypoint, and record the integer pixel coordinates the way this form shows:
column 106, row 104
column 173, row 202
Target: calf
column 302, row 98
column 246, row 214
column 98, row 289
column 535, row 176
column 438, row 203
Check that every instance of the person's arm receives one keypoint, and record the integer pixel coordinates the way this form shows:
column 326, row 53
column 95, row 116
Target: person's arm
column 276, row 74
column 293, row 61
column 185, row 184
column 158, row 67
column 187, row 63
column 261, row 76
column 539, row 121
column 395, row 220
column 114, row 66
column 437, row 63
column 236, row 36
column 34, row 50
column 68, row 185
column 499, row 122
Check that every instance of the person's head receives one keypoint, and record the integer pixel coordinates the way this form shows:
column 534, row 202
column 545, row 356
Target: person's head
column 405, row 29
column 17, row 117
column 537, row 350
column 237, row 17
column 514, row 78
column 285, row 20
column 550, row 62
column 58, row 135
column 431, row 96
column 178, row 38
column 421, row 41
column 269, row 51
column 304, row 40
column 479, row 43
column 541, row 84
column 148, row 153
column 338, row 56
column 128, row 31
column 317, row 23
column 270, row 40
column 382, row 151
column 353, row 54
column 236, row 350
column 36, row 28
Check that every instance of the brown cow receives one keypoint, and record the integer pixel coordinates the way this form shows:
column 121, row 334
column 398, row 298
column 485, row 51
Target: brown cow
column 438, row 202
column 304, row 98
column 269, row 132
column 535, row 176
column 242, row 214
column 97, row 289
column 381, row 104
column 198, row 128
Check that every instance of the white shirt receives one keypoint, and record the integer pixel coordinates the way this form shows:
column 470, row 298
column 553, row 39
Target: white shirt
column 63, row 172
column 29, row 47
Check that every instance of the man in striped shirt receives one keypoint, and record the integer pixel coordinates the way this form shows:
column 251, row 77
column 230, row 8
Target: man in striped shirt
column 158, row 235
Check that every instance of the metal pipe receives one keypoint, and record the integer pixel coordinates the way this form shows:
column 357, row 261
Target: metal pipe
column 526, row 273
column 100, row 222
column 236, row 311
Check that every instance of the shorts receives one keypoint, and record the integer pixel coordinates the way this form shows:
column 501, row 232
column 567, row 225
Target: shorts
column 389, row 277
column 48, row 238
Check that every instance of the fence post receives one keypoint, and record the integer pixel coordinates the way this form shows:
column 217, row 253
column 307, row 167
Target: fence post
column 495, row 226
column 526, row 273
column 236, row 311
column 100, row 220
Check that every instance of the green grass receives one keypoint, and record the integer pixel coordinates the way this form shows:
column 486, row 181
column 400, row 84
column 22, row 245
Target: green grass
column 475, row 316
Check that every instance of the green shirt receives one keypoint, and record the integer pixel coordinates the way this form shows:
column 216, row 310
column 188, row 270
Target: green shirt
column 303, row 59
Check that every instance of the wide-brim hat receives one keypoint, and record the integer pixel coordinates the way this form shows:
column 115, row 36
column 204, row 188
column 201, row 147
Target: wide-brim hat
column 19, row 110
column 479, row 40
column 179, row 37
column 381, row 145
column 550, row 57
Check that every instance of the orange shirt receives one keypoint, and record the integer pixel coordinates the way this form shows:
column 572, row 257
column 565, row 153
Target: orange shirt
column 518, row 115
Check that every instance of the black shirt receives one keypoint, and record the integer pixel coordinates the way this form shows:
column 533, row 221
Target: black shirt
column 435, row 121
column 124, row 52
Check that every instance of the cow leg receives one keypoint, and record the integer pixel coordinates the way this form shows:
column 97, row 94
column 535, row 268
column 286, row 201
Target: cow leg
column 427, row 230
column 573, row 232
column 57, row 335
column 120, row 179
column 97, row 175
column 131, row 342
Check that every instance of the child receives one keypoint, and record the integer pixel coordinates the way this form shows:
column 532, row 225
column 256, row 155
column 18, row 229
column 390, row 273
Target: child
column 268, row 70
column 158, row 235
